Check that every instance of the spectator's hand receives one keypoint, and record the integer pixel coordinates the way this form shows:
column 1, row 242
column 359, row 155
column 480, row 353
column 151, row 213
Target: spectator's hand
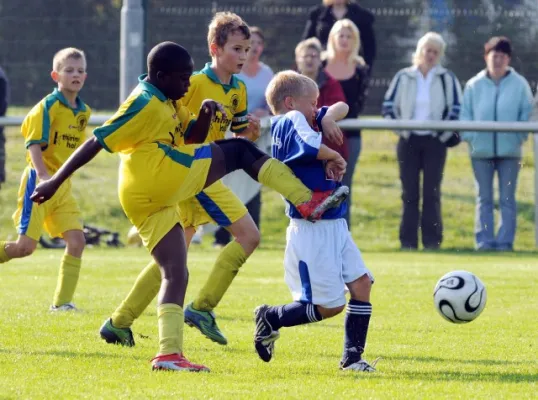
column 210, row 107
column 335, row 169
column 332, row 131
column 253, row 131
column 44, row 191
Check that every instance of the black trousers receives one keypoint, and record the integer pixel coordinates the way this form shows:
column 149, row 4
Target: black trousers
column 426, row 154
column 223, row 237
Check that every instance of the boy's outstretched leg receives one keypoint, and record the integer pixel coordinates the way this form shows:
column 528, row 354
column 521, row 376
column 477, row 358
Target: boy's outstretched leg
column 171, row 255
column 23, row 247
column 232, row 154
column 69, row 271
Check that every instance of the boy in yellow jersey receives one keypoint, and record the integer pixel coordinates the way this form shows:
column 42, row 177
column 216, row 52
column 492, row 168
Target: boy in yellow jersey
column 156, row 175
column 52, row 131
column 229, row 41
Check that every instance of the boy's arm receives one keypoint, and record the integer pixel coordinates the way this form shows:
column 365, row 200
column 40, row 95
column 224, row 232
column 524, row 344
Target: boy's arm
column 337, row 111
column 37, row 161
column 328, row 125
column 199, row 130
column 336, row 165
column 84, row 154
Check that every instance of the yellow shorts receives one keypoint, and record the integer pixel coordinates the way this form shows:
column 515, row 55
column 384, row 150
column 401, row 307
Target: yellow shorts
column 154, row 180
column 215, row 204
column 58, row 215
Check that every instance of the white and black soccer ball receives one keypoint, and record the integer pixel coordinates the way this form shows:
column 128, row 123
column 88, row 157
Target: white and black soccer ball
column 459, row 297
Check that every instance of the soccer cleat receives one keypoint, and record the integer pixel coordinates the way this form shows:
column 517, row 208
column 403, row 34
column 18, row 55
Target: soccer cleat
column 360, row 365
column 322, row 201
column 176, row 362
column 63, row 307
column 264, row 335
column 206, row 323
column 111, row 334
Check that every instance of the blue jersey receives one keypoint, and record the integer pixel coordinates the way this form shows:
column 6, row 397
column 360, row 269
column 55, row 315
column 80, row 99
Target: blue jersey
column 296, row 144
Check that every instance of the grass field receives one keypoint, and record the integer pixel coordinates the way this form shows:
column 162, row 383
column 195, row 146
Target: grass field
column 61, row 356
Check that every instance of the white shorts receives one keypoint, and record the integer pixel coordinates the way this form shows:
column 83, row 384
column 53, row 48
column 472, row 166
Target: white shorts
column 320, row 259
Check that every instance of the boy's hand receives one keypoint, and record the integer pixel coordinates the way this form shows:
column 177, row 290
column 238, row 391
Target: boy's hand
column 332, row 131
column 252, row 131
column 44, row 191
column 210, row 107
column 335, row 169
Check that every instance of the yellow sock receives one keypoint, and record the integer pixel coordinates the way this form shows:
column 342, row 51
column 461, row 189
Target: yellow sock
column 67, row 280
column 279, row 177
column 230, row 259
column 170, row 329
column 145, row 289
column 3, row 255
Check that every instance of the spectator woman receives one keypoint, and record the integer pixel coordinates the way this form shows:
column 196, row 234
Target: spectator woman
column 425, row 91
column 308, row 62
column 343, row 63
column 256, row 76
column 497, row 93
column 323, row 17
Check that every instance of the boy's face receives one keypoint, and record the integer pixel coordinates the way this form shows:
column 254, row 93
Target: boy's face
column 306, row 104
column 233, row 55
column 308, row 61
column 71, row 76
column 175, row 84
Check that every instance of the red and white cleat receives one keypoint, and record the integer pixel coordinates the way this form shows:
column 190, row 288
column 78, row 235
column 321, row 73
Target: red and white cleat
column 322, row 201
column 176, row 362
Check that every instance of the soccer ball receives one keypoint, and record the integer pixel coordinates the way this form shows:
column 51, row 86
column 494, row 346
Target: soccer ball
column 459, row 297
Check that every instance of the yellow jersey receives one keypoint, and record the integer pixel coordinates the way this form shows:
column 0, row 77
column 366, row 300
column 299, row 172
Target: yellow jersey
column 57, row 127
column 206, row 85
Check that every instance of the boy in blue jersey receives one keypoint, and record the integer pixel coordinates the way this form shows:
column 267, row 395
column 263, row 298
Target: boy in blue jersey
column 321, row 258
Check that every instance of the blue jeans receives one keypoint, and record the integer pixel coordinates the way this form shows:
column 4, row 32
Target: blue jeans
column 507, row 172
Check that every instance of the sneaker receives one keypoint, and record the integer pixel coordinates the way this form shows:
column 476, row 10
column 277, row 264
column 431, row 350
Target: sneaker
column 176, row 362
column 206, row 323
column 63, row 307
column 264, row 335
column 111, row 334
column 361, row 365
column 321, row 202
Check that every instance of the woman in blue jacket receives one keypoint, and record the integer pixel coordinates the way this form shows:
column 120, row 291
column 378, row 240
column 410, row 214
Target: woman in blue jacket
column 497, row 93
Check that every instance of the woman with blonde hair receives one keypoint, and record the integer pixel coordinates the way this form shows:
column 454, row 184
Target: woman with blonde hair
column 425, row 91
column 323, row 17
column 343, row 63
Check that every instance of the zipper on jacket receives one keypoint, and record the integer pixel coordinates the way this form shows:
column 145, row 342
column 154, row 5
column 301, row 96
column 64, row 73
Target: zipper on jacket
column 497, row 90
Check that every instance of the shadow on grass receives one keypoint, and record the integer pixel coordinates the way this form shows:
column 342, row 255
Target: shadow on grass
column 70, row 354
column 459, row 361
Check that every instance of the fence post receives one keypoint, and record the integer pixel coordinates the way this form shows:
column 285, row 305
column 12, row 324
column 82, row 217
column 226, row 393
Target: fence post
column 132, row 35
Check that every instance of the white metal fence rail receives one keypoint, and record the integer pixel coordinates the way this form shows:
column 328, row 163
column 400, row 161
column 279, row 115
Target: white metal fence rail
column 388, row 124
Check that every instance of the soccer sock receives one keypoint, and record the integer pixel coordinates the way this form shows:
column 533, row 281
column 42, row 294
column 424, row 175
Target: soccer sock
column 145, row 289
column 67, row 280
column 230, row 259
column 356, row 328
column 170, row 329
column 292, row 314
column 3, row 255
column 279, row 177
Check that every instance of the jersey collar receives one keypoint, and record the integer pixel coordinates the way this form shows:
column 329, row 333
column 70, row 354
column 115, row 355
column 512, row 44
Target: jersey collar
column 234, row 82
column 80, row 104
column 150, row 88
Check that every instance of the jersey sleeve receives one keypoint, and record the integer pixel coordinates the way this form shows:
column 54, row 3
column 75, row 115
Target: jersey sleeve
column 186, row 118
column 36, row 125
column 303, row 142
column 239, row 119
column 122, row 131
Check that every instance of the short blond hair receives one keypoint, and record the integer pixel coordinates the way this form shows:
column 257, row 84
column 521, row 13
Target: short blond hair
column 63, row 55
column 222, row 26
column 429, row 38
column 287, row 84
column 354, row 56
column 312, row 43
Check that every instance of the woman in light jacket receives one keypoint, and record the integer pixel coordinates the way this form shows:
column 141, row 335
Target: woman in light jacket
column 422, row 92
column 497, row 93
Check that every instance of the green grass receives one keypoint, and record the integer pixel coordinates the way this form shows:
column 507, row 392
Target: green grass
column 61, row 356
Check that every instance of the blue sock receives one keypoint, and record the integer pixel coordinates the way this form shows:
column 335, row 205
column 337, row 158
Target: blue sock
column 356, row 328
column 292, row 314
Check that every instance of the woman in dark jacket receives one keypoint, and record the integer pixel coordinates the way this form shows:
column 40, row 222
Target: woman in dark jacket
column 322, row 19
